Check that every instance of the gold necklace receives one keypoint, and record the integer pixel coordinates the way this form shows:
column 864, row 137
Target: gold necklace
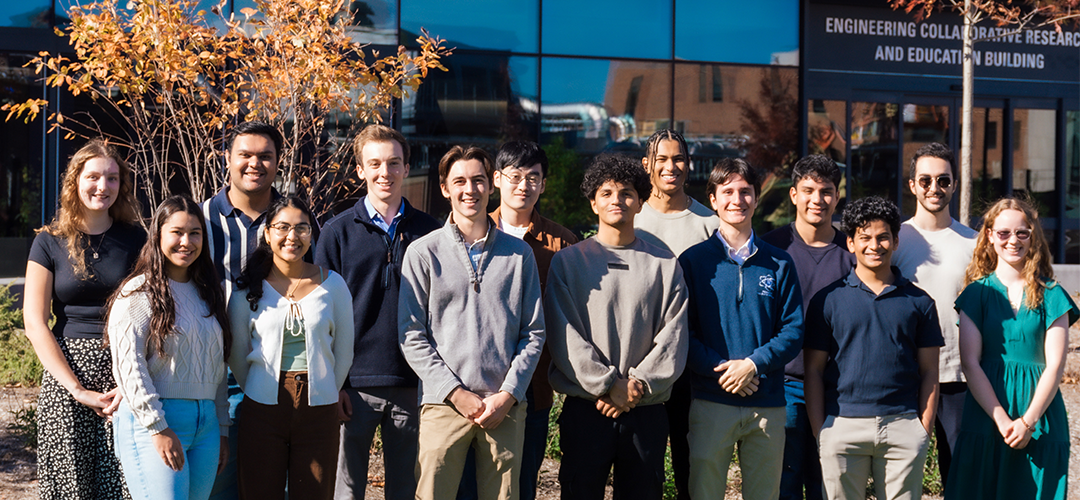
column 90, row 245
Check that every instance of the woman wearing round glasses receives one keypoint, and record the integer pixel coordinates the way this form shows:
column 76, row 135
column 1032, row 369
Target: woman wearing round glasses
column 1014, row 321
column 292, row 326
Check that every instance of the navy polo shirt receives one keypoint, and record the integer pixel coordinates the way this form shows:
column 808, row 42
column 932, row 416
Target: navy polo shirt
column 873, row 342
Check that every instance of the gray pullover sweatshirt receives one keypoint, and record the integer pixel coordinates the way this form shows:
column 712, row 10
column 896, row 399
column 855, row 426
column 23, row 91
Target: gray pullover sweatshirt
column 616, row 312
column 480, row 329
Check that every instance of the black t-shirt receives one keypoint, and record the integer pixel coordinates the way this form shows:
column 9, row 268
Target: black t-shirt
column 817, row 267
column 79, row 303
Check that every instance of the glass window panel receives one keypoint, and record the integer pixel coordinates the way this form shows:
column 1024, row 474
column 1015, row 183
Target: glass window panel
column 825, row 135
column 1072, row 246
column 741, row 124
column 761, row 32
column 987, row 184
column 607, row 105
column 923, row 124
column 608, row 28
column 20, row 166
column 1072, row 165
column 1034, row 146
column 476, row 24
column 481, row 99
column 874, row 150
column 26, row 14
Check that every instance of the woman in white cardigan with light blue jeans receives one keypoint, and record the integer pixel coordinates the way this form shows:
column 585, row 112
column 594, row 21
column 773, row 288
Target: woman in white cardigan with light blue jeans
column 292, row 326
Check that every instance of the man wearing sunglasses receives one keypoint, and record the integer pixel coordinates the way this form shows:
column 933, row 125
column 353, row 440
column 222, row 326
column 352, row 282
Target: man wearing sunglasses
column 366, row 244
column 935, row 252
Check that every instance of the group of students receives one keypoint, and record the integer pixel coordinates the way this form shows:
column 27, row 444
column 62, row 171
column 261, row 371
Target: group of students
column 673, row 323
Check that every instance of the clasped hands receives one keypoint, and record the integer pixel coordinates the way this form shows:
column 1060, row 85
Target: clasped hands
column 487, row 412
column 1016, row 433
column 104, row 405
column 623, row 396
column 739, row 376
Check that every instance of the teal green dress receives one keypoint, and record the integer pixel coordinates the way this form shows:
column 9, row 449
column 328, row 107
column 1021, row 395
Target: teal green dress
column 1013, row 358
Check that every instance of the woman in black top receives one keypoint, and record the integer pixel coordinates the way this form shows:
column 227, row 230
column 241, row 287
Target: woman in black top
column 76, row 262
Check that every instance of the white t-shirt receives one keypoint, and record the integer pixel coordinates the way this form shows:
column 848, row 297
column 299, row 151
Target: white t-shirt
column 515, row 231
column 936, row 261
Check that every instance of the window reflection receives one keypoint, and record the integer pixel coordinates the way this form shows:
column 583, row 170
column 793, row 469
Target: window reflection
column 20, row 166
column 825, row 136
column 759, row 32
column 874, row 156
column 476, row 24
column 986, row 159
column 923, row 124
column 600, row 105
column 1072, row 188
column 608, row 28
column 1034, row 147
column 26, row 13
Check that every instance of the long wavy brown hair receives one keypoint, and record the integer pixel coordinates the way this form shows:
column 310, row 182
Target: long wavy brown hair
column 151, row 264
column 69, row 221
column 1037, row 270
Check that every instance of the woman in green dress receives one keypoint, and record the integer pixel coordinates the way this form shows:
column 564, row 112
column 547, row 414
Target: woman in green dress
column 1014, row 321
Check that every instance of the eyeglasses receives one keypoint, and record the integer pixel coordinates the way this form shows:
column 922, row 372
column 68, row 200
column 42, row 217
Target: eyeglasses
column 515, row 178
column 943, row 181
column 1006, row 234
column 282, row 229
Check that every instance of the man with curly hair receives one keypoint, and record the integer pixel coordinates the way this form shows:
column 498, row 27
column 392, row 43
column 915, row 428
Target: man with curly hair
column 745, row 325
column 872, row 376
column 616, row 306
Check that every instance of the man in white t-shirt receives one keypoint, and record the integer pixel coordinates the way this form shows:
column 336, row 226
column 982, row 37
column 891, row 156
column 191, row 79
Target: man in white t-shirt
column 934, row 254
column 672, row 220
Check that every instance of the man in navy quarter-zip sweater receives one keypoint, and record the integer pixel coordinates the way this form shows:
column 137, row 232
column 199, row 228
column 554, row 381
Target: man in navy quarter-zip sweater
column 365, row 245
column 745, row 325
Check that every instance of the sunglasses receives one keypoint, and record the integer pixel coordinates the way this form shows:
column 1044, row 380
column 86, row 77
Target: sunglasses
column 1006, row 234
column 943, row 181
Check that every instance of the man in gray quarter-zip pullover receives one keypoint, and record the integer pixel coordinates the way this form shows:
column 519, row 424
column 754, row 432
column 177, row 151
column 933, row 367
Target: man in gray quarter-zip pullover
column 472, row 327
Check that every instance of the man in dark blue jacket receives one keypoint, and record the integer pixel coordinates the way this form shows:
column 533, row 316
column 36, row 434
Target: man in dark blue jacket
column 365, row 244
column 745, row 325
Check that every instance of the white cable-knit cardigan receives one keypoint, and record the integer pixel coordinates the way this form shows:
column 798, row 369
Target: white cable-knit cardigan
column 194, row 365
column 258, row 336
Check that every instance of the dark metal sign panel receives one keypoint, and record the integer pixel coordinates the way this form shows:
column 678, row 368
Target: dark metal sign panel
column 854, row 39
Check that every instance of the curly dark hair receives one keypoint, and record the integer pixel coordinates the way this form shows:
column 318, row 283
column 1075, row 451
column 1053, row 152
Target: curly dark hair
column 151, row 264
column 618, row 168
column 821, row 168
column 860, row 213
column 262, row 259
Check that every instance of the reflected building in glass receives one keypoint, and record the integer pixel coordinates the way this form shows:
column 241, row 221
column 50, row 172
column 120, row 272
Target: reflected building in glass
column 770, row 81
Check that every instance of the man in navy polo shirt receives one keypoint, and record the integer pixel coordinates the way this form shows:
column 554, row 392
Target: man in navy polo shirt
column 366, row 244
column 871, row 358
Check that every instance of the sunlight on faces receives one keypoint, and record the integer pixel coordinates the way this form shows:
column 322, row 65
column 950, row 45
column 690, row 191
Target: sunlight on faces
column 669, row 168
column 467, row 189
column 283, row 234
column 1011, row 249
column 99, row 183
column 523, row 194
column 383, row 169
column 814, row 200
column 181, row 243
column 616, row 204
column 252, row 163
column 873, row 245
column 935, row 199
column 734, row 202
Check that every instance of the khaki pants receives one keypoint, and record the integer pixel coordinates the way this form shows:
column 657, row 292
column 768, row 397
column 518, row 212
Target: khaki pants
column 892, row 448
column 715, row 429
column 445, row 438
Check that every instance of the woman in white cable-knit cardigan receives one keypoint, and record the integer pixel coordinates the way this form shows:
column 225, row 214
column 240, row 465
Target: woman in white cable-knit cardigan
column 292, row 326
column 169, row 338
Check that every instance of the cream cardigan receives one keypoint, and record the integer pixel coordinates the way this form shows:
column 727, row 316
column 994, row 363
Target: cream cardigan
column 258, row 335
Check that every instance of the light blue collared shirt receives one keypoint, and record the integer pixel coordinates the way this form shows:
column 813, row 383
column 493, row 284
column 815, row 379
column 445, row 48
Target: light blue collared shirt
column 742, row 253
column 377, row 218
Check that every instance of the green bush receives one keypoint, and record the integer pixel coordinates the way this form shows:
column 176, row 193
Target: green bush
column 24, row 425
column 18, row 362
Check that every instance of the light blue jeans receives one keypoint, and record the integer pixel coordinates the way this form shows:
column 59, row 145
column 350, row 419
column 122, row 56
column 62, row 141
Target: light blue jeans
column 196, row 424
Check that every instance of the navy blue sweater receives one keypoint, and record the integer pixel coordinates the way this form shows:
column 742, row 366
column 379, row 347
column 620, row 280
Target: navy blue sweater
column 353, row 246
column 750, row 311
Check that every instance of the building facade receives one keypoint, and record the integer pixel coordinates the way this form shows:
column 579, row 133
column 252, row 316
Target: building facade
column 770, row 80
